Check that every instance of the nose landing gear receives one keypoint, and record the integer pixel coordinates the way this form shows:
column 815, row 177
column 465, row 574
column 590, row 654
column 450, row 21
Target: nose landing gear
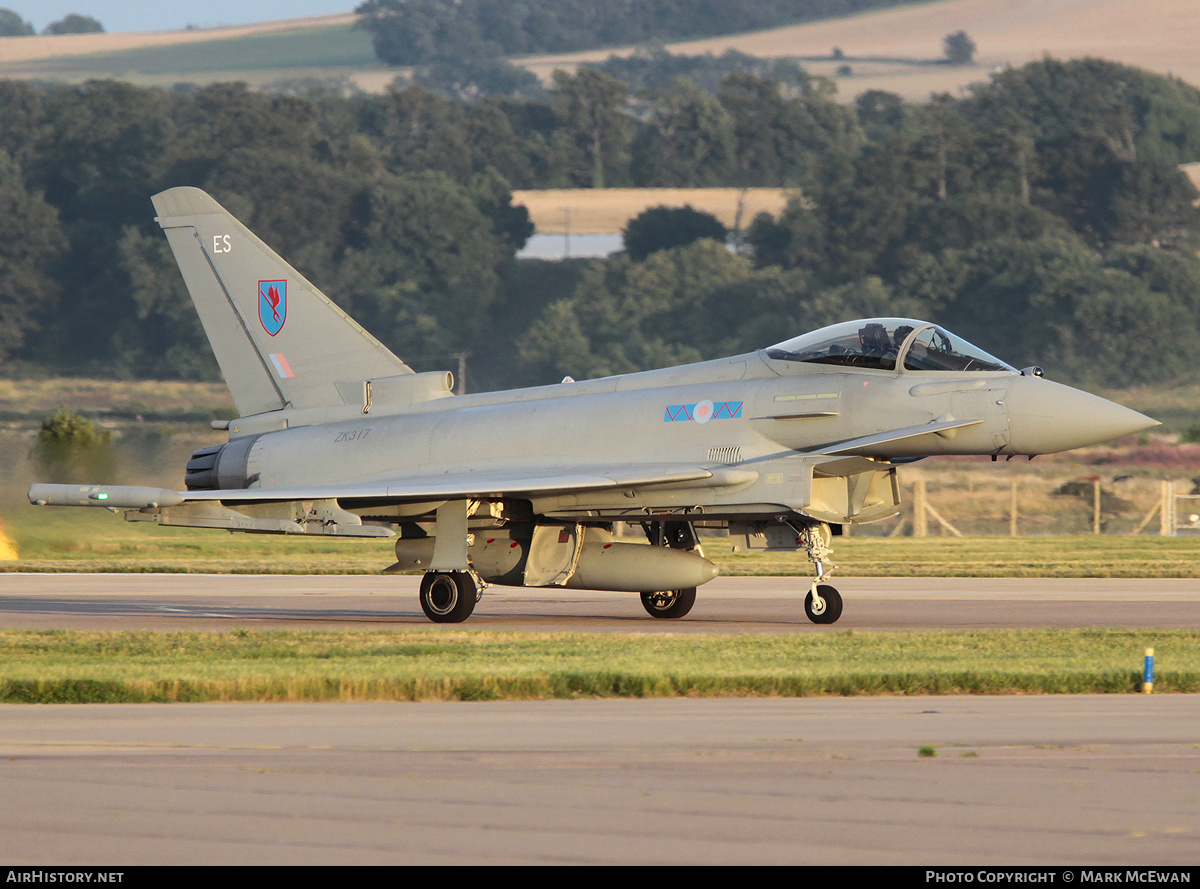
column 823, row 604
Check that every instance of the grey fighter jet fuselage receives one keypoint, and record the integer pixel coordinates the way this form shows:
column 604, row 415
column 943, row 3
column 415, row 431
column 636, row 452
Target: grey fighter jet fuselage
column 338, row 436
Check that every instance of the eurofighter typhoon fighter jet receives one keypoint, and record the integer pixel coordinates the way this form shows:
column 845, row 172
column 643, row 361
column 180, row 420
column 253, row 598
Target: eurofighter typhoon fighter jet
column 338, row 436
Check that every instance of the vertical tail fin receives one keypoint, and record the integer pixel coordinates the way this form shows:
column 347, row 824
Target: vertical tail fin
column 279, row 341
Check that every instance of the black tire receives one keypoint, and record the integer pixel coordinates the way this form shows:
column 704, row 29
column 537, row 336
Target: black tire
column 669, row 604
column 833, row 605
column 448, row 597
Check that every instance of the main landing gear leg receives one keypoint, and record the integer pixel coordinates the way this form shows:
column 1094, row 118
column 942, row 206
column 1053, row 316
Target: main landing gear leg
column 671, row 604
column 823, row 604
column 450, row 588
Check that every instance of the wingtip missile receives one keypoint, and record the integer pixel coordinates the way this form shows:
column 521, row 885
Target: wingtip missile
column 105, row 496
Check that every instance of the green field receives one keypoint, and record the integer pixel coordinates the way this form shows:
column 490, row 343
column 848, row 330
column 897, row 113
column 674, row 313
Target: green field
column 82, row 540
column 340, row 46
column 456, row 664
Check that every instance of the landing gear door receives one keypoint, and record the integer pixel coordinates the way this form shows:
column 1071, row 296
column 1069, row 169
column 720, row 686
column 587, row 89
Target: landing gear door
column 553, row 554
column 767, row 537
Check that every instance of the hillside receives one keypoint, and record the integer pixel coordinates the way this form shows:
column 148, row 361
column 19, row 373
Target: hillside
column 260, row 54
column 897, row 50
column 48, row 46
column 885, row 48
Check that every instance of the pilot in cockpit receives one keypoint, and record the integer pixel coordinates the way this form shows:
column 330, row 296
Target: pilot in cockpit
column 874, row 339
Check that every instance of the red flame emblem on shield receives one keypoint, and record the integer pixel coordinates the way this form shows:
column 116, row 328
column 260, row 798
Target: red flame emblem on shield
column 272, row 305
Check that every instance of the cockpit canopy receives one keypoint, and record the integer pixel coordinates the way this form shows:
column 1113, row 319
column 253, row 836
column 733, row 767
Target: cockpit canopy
column 887, row 344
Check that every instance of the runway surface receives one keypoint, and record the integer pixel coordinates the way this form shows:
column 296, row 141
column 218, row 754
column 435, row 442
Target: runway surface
column 1053, row 780
column 727, row 605
column 1086, row 780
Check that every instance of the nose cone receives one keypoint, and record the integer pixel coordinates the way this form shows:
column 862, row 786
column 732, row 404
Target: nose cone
column 1046, row 417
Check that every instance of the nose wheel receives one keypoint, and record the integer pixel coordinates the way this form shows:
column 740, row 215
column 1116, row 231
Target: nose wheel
column 823, row 605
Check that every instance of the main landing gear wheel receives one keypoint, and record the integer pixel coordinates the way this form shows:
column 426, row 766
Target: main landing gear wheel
column 448, row 597
column 669, row 604
column 828, row 610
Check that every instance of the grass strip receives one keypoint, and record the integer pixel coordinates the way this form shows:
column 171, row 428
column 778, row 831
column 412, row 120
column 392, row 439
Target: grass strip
column 93, row 541
column 436, row 665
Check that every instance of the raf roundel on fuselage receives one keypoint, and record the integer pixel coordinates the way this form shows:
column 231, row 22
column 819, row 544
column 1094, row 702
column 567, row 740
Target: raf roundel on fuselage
column 888, row 344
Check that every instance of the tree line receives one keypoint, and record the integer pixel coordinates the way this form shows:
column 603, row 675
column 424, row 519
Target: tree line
column 12, row 25
column 1043, row 216
column 465, row 48
column 419, row 32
